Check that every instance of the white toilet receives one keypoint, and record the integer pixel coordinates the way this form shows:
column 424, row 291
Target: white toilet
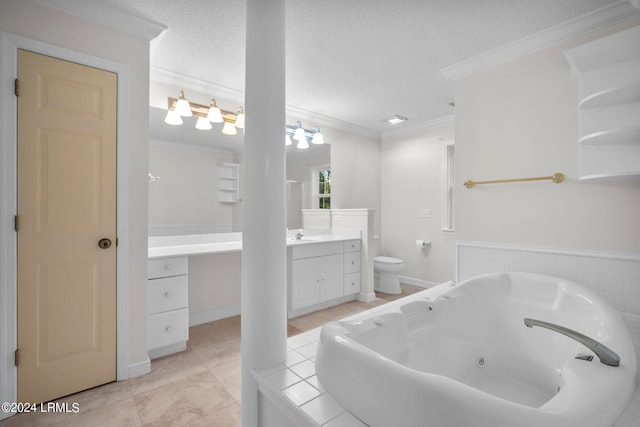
column 386, row 271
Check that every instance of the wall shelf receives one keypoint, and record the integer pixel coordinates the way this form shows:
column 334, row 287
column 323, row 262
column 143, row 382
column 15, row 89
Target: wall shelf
column 613, row 85
column 609, row 70
column 616, row 124
column 229, row 182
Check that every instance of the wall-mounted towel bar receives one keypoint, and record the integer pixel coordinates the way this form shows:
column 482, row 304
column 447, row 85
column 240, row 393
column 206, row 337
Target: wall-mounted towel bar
column 557, row 178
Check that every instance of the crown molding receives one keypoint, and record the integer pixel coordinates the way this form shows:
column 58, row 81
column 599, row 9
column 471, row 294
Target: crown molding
column 162, row 75
column 418, row 126
column 322, row 120
column 616, row 12
column 599, row 53
column 103, row 14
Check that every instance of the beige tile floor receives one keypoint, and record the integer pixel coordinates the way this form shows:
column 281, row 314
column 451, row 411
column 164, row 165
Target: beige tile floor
column 197, row 387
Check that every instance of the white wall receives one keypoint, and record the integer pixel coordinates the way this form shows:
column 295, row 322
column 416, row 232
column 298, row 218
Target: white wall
column 521, row 119
column 412, row 179
column 187, row 192
column 355, row 172
column 214, row 287
column 26, row 19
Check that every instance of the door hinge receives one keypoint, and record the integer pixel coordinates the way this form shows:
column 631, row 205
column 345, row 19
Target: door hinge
column 16, row 356
column 16, row 87
column 16, row 222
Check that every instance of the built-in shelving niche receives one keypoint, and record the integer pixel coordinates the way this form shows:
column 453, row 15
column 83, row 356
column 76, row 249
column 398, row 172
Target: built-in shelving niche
column 609, row 70
column 229, row 182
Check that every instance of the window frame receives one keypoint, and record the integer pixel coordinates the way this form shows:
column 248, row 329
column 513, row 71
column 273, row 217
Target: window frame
column 448, row 186
column 315, row 183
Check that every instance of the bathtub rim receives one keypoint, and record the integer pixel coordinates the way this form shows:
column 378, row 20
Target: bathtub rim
column 554, row 407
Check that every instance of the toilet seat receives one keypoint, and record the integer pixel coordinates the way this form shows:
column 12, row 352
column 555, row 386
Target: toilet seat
column 387, row 260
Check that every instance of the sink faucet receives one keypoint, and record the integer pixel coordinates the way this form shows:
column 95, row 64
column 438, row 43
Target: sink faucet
column 299, row 235
column 604, row 353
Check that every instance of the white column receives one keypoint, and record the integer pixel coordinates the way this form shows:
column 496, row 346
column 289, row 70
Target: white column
column 264, row 270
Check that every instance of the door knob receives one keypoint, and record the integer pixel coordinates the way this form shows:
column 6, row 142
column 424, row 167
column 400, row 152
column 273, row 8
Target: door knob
column 104, row 243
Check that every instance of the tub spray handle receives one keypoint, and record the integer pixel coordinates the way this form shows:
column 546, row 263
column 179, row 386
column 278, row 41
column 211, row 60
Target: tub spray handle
column 604, row 353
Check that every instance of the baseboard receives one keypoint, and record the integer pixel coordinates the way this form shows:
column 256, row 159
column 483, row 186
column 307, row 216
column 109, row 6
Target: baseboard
column 170, row 349
column 417, row 282
column 213, row 315
column 321, row 306
column 141, row 368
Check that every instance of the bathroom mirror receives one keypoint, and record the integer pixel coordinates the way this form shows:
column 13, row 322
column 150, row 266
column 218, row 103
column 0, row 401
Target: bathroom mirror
column 308, row 174
column 173, row 164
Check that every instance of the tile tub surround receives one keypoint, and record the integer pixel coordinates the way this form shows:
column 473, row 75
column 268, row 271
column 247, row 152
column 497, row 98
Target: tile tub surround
column 295, row 385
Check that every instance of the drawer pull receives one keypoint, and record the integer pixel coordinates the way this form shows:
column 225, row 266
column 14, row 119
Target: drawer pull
column 353, row 262
column 168, row 329
column 168, row 267
column 167, row 295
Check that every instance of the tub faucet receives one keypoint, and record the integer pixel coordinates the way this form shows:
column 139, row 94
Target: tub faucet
column 299, row 235
column 604, row 353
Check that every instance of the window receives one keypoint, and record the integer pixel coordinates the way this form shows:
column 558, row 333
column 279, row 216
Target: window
column 322, row 187
column 449, row 187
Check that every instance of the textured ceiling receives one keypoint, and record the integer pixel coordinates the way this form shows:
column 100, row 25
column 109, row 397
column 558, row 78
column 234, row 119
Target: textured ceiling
column 359, row 61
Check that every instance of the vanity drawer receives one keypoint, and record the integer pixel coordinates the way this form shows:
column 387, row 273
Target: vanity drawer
column 168, row 293
column 352, row 246
column 351, row 262
column 168, row 328
column 167, row 267
column 351, row 283
column 311, row 250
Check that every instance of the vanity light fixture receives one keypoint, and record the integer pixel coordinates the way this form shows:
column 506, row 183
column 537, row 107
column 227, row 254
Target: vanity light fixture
column 178, row 108
column 214, row 115
column 240, row 118
column 317, row 137
column 182, row 106
column 229, row 129
column 298, row 132
column 203, row 124
column 303, row 144
column 396, row 119
column 302, row 136
column 173, row 118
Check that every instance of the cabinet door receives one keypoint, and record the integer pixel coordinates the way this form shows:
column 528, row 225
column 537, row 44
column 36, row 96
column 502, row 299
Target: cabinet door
column 304, row 282
column 331, row 280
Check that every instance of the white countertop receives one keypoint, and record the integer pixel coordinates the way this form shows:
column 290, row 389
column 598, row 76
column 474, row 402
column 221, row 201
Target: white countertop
column 201, row 244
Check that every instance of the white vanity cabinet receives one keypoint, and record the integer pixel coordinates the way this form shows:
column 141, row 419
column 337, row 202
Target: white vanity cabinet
column 167, row 306
column 321, row 274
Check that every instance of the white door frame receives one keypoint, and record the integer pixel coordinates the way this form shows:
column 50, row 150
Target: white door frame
column 9, row 45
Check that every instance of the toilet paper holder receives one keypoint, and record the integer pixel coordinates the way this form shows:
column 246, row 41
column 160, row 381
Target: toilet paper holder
column 420, row 244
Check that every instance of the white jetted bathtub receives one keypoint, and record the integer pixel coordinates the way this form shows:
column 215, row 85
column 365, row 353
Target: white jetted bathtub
column 461, row 356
